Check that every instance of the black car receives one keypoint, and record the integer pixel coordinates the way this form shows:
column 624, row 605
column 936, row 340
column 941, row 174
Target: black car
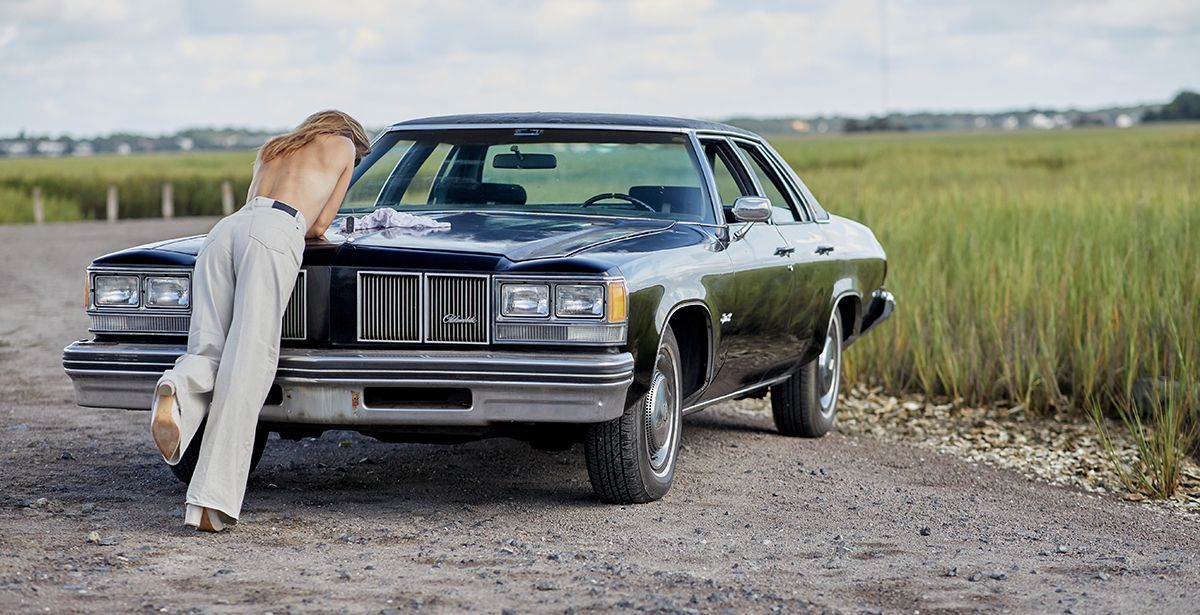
column 601, row 277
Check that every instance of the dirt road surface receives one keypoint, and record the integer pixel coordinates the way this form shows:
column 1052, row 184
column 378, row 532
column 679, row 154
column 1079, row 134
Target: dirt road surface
column 755, row 523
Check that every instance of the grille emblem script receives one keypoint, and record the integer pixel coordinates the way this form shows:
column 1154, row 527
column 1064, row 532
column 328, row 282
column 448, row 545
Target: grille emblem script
column 455, row 319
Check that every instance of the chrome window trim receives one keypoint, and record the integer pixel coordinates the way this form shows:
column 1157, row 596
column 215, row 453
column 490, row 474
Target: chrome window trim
column 487, row 310
column 358, row 304
column 774, row 161
column 694, row 144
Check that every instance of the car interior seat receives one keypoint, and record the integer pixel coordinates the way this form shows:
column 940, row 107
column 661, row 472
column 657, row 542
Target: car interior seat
column 684, row 200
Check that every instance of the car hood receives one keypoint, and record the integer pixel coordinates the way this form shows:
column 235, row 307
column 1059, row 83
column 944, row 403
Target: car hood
column 515, row 236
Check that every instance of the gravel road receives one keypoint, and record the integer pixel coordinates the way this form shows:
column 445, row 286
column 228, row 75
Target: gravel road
column 755, row 523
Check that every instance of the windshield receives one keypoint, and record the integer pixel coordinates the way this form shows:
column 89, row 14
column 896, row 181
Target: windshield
column 589, row 172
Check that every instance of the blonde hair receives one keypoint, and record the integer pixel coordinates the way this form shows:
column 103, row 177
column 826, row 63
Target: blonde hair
column 320, row 123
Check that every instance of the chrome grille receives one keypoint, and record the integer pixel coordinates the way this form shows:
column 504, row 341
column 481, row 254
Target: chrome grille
column 389, row 307
column 458, row 309
column 295, row 317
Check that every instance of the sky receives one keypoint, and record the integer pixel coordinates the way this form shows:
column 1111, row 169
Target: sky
column 86, row 67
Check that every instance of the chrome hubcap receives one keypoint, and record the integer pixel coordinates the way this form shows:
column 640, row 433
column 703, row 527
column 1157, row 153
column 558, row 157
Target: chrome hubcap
column 829, row 367
column 660, row 421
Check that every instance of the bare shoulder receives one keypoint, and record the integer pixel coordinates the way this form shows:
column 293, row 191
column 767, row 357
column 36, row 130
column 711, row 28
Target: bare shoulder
column 336, row 146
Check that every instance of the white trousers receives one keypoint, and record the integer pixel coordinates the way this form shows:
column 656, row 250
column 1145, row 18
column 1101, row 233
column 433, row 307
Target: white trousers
column 244, row 275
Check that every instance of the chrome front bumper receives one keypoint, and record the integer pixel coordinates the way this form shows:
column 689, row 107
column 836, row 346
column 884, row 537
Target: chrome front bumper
column 333, row 387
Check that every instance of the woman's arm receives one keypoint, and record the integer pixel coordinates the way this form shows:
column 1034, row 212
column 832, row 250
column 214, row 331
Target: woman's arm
column 329, row 211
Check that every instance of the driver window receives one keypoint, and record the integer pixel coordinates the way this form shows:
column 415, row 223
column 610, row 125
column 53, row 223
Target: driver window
column 772, row 188
column 729, row 188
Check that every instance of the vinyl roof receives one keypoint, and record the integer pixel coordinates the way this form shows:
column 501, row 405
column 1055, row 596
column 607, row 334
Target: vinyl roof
column 583, row 119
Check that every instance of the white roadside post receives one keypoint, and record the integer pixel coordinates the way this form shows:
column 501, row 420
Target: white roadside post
column 110, row 204
column 226, row 197
column 39, row 208
column 168, row 201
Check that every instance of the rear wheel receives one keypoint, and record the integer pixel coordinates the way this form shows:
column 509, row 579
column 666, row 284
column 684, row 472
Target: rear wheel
column 806, row 404
column 187, row 462
column 631, row 459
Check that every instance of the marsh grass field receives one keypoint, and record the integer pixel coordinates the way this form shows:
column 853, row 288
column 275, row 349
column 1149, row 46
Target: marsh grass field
column 1056, row 271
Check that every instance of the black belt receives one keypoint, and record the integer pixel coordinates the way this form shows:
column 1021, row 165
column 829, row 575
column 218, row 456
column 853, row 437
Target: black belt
column 285, row 208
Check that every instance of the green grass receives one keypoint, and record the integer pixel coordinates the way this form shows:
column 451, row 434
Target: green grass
column 1053, row 270
column 76, row 188
column 1044, row 269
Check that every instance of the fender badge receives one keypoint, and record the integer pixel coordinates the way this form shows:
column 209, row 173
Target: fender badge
column 726, row 317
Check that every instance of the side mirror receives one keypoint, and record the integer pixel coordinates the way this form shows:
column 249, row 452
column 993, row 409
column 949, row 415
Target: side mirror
column 752, row 209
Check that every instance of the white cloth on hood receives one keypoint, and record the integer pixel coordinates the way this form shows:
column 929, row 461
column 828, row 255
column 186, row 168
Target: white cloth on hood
column 386, row 217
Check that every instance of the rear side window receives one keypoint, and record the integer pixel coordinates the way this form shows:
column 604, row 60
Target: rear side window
column 772, row 185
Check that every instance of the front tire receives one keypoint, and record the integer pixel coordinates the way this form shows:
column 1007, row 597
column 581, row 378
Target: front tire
column 631, row 459
column 805, row 405
column 187, row 462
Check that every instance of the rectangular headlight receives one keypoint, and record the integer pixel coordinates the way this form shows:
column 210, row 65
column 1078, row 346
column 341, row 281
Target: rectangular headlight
column 168, row 292
column 117, row 290
column 525, row 300
column 579, row 300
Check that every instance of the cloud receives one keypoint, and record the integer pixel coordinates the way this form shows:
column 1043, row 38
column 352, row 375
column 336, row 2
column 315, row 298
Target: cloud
column 95, row 66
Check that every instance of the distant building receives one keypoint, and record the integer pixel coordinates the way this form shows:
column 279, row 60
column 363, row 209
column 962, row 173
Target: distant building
column 1124, row 120
column 51, row 148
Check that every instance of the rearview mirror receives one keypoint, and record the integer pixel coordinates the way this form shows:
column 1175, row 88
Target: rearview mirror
column 752, row 209
column 525, row 161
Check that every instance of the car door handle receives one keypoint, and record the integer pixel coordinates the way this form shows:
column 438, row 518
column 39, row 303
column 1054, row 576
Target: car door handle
column 824, row 249
column 784, row 251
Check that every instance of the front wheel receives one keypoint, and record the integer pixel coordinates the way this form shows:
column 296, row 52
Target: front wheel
column 631, row 459
column 806, row 404
column 187, row 462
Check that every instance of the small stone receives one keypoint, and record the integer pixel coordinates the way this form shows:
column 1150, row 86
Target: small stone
column 177, row 512
column 67, row 455
column 111, row 541
column 925, row 531
column 953, row 572
column 88, row 508
column 975, row 577
column 1100, row 576
column 39, row 503
column 997, row 576
column 19, row 427
column 344, row 576
column 93, row 537
column 545, row 586
column 1063, row 549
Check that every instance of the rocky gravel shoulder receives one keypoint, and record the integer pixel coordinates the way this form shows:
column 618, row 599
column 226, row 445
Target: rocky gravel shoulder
column 1061, row 450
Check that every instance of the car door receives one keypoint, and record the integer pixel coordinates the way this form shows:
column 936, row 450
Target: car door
column 752, row 302
column 813, row 267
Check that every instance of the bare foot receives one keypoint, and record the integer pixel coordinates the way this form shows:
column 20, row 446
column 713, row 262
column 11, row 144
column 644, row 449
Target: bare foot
column 163, row 426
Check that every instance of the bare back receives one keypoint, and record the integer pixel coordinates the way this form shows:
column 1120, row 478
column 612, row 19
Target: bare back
column 313, row 179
